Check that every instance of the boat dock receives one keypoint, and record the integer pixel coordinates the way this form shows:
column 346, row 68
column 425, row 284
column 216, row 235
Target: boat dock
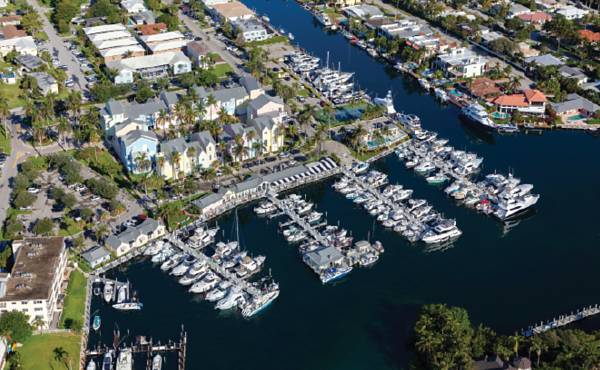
column 562, row 320
column 142, row 345
column 248, row 287
column 295, row 218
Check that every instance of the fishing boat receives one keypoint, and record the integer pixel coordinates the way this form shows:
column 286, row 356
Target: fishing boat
column 437, row 179
column 107, row 361
column 157, row 362
column 96, row 323
column 108, row 292
column 125, row 360
column 91, row 365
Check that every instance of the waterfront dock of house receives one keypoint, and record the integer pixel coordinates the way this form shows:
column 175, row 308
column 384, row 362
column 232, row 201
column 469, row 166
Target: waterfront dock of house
column 562, row 320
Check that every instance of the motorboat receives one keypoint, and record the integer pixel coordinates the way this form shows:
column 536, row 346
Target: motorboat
column 219, row 292
column 91, row 365
column 124, row 360
column 96, row 323
column 234, row 297
column 476, row 113
column 128, row 306
column 157, row 362
column 208, row 282
column 334, row 273
column 261, row 302
column 511, row 208
column 443, row 231
column 108, row 292
column 107, row 361
column 441, row 94
column 360, row 168
column 183, row 267
column 172, row 262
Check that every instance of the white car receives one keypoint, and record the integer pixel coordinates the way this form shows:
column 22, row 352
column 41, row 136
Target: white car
column 95, row 198
column 33, row 190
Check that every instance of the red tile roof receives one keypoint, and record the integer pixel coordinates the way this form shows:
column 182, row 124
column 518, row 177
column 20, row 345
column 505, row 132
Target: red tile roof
column 524, row 99
column 152, row 29
column 10, row 32
column 535, row 17
column 589, row 36
column 484, row 87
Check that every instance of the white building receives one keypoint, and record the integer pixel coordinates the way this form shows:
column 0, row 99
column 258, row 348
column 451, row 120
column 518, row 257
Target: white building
column 114, row 41
column 135, row 236
column 133, row 6
column 461, row 62
column 572, row 13
column 150, row 66
column 34, row 284
column 164, row 42
column 251, row 30
column 22, row 45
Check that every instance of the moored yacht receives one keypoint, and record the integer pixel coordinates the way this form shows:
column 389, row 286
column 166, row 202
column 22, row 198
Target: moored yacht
column 477, row 113
column 387, row 102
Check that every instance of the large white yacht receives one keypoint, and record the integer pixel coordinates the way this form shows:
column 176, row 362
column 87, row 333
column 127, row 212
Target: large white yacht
column 477, row 113
column 508, row 208
column 441, row 232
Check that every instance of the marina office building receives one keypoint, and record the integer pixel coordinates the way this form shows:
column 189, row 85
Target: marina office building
column 34, row 284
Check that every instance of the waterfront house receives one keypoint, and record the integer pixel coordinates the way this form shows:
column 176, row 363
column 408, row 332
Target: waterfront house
column 150, row 67
column 430, row 44
column 575, row 73
column 461, row 62
column 529, row 101
column 46, row 84
column 226, row 99
column 135, row 237
column 231, row 11
column 484, row 88
column 250, row 30
column 210, row 204
column 180, row 157
column 96, row 256
column 197, row 51
column 322, row 259
column 575, row 108
column 34, row 285
column 134, row 145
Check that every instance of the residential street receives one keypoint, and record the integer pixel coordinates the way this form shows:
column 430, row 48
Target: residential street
column 56, row 43
column 212, row 42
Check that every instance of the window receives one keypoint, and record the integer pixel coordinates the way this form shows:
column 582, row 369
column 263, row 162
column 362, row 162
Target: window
column 38, row 309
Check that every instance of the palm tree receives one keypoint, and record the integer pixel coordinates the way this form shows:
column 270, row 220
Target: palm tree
column 142, row 162
column 175, row 160
column 62, row 127
column 160, row 161
column 38, row 323
column 61, row 355
column 74, row 103
column 320, row 136
column 240, row 150
column 357, row 136
column 101, row 232
column 191, row 153
column 211, row 102
column 180, row 110
column 250, row 136
column 161, row 121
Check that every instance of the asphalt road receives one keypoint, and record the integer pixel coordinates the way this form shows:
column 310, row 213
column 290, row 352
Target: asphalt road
column 56, row 43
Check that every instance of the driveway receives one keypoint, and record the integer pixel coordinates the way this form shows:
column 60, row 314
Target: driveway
column 56, row 42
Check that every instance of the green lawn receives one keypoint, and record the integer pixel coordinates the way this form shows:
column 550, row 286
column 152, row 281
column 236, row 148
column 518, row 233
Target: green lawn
column 269, row 41
column 221, row 70
column 72, row 228
column 37, row 351
column 75, row 298
column 12, row 94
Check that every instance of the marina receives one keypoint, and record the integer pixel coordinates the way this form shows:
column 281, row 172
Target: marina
column 379, row 305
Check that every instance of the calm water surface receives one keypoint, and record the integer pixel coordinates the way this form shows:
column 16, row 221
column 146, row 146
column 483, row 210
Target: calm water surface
column 545, row 265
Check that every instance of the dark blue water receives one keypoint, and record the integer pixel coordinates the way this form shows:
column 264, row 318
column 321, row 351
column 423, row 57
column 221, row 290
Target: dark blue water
column 545, row 265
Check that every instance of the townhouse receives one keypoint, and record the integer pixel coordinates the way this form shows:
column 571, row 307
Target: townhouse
column 164, row 42
column 134, row 237
column 136, row 145
column 150, row 67
column 180, row 157
column 113, row 42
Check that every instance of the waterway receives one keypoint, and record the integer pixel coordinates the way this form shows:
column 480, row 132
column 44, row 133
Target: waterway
column 506, row 278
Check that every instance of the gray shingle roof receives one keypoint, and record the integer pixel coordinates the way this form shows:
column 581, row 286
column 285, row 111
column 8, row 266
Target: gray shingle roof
column 170, row 98
column 204, row 138
column 324, row 257
column 545, row 60
column 222, row 95
column 95, row 254
column 263, row 122
column 263, row 100
column 252, row 183
column 575, row 102
column 209, row 199
column 135, row 135
column 115, row 107
column 249, row 82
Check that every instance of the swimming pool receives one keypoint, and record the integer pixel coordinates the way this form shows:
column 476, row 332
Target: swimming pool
column 577, row 117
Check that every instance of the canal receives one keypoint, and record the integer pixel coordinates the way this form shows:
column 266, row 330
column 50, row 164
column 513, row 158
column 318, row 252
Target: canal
column 507, row 276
